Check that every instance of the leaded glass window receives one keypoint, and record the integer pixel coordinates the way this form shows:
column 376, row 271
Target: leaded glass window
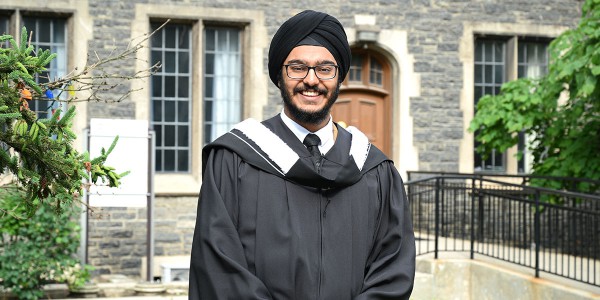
column 533, row 63
column 492, row 64
column 171, row 102
column 533, row 59
column 376, row 72
column 490, row 73
column 49, row 33
column 4, row 19
column 222, row 80
column 355, row 72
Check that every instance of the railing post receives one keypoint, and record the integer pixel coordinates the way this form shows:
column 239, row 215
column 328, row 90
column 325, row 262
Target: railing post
column 480, row 210
column 536, row 233
column 437, row 216
column 472, row 218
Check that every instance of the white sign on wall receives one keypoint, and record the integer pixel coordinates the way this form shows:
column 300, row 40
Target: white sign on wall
column 130, row 154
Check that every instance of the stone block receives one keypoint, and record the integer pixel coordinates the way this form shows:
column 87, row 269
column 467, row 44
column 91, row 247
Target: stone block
column 121, row 234
column 131, row 263
column 109, row 244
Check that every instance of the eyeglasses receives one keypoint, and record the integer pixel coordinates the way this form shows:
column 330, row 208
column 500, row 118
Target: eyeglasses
column 300, row 71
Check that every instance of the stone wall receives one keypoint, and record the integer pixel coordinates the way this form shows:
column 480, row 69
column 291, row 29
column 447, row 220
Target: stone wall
column 117, row 236
column 117, row 240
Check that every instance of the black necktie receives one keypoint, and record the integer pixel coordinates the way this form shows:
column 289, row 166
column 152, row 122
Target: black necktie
column 312, row 141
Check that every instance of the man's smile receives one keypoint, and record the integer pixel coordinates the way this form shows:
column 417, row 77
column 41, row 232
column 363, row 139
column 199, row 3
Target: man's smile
column 308, row 93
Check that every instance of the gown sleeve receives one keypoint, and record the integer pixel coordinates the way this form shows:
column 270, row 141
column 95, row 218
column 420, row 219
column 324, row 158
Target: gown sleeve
column 390, row 269
column 218, row 268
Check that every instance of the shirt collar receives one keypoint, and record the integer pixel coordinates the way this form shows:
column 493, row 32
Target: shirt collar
column 325, row 133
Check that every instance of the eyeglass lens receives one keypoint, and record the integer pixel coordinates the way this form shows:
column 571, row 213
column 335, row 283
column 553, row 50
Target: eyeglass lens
column 299, row 71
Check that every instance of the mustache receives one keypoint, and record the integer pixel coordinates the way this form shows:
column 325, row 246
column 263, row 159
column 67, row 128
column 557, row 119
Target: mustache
column 310, row 88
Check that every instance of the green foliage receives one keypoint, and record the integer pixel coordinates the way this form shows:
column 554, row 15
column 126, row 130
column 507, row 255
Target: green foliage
column 39, row 248
column 38, row 218
column 40, row 152
column 560, row 111
column 18, row 64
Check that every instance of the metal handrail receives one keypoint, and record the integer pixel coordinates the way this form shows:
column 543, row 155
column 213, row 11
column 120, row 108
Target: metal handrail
column 550, row 231
column 525, row 179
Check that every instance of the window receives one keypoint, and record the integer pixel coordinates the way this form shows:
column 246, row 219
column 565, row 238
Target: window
column 376, row 73
column 222, row 81
column 49, row 34
column 171, row 90
column 171, row 102
column 533, row 59
column 4, row 19
column 533, row 63
column 355, row 69
column 365, row 69
column 494, row 61
column 45, row 33
column 197, row 94
column 490, row 73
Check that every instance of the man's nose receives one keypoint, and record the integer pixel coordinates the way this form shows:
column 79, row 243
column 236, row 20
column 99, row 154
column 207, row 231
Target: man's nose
column 311, row 78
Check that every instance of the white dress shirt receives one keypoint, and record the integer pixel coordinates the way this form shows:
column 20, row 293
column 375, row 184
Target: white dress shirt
column 325, row 133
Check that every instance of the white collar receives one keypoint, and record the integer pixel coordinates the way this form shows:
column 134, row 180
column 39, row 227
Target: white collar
column 325, row 133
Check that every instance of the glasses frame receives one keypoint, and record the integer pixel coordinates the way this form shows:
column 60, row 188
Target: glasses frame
column 314, row 68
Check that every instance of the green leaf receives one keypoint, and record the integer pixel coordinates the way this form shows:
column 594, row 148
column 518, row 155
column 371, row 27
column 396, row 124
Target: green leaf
column 588, row 86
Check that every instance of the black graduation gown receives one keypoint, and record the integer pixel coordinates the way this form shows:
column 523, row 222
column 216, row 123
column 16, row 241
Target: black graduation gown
column 262, row 234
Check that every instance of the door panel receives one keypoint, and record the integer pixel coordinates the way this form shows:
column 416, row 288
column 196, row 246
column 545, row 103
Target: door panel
column 367, row 113
column 367, row 110
column 341, row 111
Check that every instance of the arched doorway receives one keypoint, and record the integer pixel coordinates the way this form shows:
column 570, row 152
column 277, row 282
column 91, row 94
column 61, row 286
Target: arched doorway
column 365, row 98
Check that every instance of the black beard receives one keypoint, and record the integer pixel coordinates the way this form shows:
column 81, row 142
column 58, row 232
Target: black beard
column 306, row 117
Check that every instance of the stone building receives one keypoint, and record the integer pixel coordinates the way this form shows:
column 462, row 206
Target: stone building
column 418, row 68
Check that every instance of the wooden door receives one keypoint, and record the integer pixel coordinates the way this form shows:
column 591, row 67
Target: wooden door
column 364, row 100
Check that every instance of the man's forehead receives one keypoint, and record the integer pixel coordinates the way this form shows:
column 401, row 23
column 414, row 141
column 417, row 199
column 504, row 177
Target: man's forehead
column 310, row 54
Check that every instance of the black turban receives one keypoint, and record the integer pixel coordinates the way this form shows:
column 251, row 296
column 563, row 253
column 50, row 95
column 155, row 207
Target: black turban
column 326, row 30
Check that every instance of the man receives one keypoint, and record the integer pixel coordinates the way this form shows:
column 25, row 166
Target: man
column 281, row 220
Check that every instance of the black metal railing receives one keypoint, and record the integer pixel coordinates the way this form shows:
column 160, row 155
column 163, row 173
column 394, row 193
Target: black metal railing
column 552, row 231
column 571, row 184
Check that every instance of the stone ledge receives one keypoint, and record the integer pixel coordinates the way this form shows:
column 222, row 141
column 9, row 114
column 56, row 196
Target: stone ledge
column 463, row 278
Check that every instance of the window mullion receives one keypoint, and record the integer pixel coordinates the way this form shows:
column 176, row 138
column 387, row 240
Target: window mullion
column 511, row 59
